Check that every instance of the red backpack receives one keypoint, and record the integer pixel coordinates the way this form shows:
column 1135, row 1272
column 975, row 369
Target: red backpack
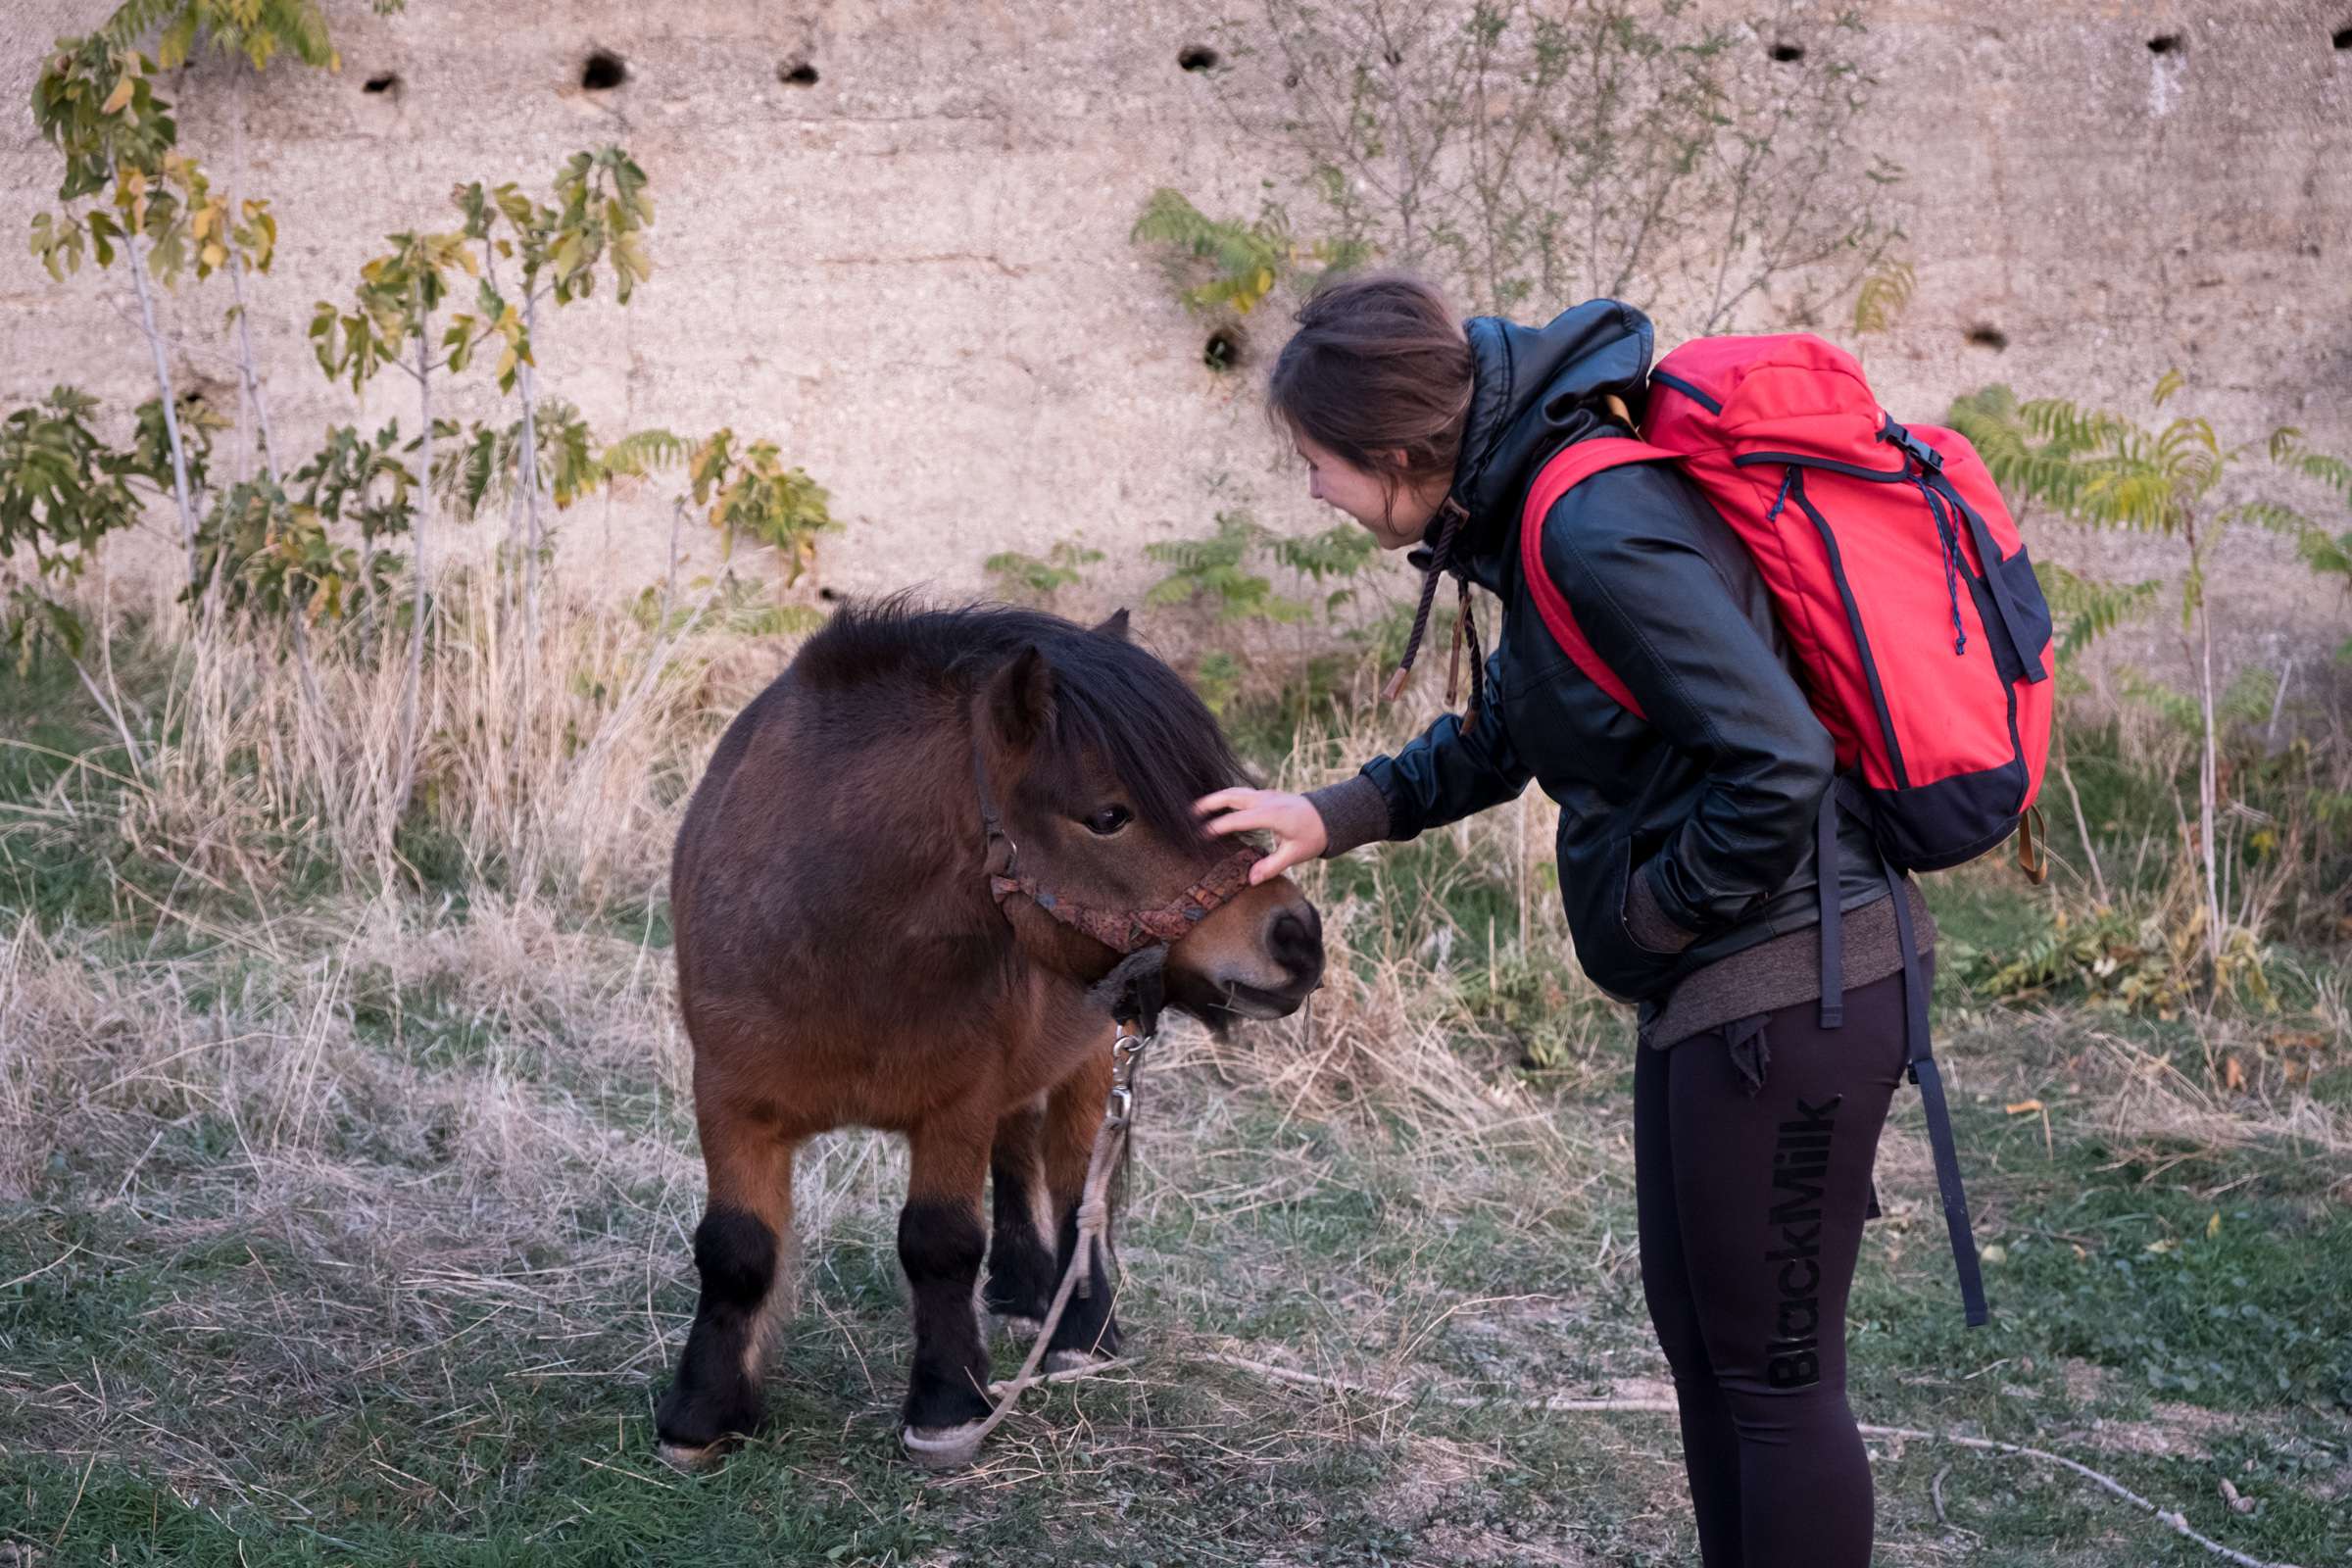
column 1920, row 636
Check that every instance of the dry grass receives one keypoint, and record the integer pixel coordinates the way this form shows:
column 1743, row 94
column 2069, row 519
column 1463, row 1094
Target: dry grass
column 555, row 754
column 333, row 1130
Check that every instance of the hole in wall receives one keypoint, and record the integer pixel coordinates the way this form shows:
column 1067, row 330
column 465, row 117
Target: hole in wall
column 797, row 74
column 1787, row 54
column 2342, row 38
column 2165, row 43
column 1984, row 335
column 386, row 83
column 1223, row 350
column 1196, row 57
column 201, row 395
column 829, row 595
column 604, row 71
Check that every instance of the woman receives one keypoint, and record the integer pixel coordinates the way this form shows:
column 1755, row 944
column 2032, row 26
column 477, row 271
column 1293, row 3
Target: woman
column 1686, row 854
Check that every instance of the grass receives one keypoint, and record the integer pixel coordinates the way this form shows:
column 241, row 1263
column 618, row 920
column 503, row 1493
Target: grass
column 339, row 1226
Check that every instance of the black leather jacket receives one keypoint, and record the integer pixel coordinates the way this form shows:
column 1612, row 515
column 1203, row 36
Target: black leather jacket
column 1711, row 799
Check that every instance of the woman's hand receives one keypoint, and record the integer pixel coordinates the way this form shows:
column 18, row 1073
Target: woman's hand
column 1296, row 827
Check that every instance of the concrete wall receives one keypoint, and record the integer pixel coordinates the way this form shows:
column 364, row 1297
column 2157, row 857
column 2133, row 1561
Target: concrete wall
column 915, row 274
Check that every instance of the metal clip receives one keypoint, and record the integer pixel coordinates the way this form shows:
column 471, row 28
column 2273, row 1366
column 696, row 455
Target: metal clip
column 1126, row 1052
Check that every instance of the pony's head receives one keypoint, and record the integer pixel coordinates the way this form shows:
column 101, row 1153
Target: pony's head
column 1095, row 750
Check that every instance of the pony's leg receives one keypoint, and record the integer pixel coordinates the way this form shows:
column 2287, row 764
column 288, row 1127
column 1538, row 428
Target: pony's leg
column 1088, row 1331
column 1020, row 1251
column 941, row 1245
column 743, row 1252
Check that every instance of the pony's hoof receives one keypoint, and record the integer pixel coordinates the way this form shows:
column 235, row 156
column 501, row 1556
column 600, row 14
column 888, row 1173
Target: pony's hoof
column 690, row 1457
column 1076, row 1361
column 1019, row 1327
column 943, row 1447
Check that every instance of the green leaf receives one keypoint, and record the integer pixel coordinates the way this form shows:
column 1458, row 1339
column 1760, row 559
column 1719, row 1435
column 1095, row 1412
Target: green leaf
column 644, row 452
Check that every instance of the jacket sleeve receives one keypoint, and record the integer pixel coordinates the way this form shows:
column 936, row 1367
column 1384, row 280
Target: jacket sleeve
column 1661, row 591
column 1448, row 772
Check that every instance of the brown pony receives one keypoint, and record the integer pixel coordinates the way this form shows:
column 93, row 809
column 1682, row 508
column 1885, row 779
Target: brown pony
column 842, row 958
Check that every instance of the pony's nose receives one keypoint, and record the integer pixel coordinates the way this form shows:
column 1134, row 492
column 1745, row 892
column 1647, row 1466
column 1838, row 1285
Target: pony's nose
column 1294, row 939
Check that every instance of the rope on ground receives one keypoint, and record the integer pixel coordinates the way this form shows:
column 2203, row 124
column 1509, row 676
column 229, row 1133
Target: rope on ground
column 2170, row 1518
column 1074, row 1374
column 1309, row 1380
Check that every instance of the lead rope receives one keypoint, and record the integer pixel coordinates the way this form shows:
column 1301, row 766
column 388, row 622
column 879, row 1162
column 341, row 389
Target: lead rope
column 1128, row 1045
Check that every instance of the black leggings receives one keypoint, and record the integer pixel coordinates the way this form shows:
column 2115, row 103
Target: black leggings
column 1752, row 1204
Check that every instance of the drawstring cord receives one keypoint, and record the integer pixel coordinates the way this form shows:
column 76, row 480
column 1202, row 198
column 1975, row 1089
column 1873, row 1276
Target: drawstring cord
column 1948, row 537
column 1466, row 626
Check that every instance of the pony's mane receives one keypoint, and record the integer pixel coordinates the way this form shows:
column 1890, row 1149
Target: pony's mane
column 1111, row 697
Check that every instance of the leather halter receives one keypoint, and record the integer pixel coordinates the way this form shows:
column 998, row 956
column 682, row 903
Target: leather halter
column 1125, row 931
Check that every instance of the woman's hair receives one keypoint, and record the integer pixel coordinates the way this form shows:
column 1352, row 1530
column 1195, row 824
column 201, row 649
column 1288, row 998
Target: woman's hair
column 1378, row 368
column 1379, row 372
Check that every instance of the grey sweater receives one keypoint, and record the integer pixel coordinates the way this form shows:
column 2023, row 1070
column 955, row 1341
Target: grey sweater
column 1780, row 972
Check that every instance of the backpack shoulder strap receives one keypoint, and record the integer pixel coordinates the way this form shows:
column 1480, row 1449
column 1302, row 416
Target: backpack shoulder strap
column 1569, row 467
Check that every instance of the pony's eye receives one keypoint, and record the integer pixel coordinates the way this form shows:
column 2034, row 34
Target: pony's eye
column 1110, row 820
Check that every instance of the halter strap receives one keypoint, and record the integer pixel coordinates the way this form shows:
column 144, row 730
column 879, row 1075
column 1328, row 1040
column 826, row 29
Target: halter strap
column 1122, row 931
column 1132, row 930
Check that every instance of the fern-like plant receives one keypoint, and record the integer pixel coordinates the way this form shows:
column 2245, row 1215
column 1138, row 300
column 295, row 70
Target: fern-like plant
column 2087, row 609
column 1030, row 580
column 1229, row 264
column 2110, row 471
column 1215, row 572
column 745, row 491
column 1883, row 295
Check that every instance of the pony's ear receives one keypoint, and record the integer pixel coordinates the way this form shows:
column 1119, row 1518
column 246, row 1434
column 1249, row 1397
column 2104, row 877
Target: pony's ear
column 1020, row 698
column 1115, row 626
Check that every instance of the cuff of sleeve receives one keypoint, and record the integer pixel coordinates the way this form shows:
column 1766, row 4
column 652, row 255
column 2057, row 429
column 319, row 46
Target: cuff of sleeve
column 1646, row 919
column 1354, row 814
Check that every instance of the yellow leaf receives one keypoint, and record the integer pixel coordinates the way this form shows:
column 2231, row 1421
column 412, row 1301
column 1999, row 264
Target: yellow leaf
column 123, row 88
column 214, row 253
column 2233, row 1076
column 2213, row 1226
column 2023, row 1108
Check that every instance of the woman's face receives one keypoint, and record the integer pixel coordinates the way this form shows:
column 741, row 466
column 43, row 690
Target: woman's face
column 1393, row 513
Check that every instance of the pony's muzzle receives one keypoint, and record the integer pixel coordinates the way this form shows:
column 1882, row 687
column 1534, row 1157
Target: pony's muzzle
column 1295, row 940
column 1285, row 964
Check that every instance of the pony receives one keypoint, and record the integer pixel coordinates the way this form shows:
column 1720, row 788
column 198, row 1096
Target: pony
column 889, row 896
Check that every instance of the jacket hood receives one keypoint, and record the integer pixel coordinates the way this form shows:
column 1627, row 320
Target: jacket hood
column 1534, row 390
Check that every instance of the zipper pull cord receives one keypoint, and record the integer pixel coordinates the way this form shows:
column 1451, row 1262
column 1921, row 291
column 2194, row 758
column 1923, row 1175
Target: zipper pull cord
column 1951, row 560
